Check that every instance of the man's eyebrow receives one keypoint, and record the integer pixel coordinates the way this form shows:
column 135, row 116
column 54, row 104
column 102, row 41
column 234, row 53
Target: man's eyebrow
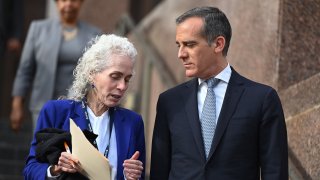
column 188, row 42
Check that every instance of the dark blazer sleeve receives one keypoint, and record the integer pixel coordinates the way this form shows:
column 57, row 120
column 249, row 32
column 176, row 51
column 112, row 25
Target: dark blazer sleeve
column 273, row 139
column 161, row 145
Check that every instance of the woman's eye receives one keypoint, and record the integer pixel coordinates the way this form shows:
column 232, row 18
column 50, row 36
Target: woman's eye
column 127, row 79
column 115, row 77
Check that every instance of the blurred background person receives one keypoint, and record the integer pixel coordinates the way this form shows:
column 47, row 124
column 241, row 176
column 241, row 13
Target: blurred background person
column 50, row 54
column 101, row 79
column 11, row 22
column 11, row 32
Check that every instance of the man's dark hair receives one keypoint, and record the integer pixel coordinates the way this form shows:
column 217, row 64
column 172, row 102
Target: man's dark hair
column 215, row 24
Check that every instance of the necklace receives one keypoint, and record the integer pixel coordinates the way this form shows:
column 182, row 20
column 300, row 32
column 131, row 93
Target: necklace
column 69, row 33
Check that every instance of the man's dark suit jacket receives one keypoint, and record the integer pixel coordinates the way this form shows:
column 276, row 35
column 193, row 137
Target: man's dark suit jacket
column 250, row 136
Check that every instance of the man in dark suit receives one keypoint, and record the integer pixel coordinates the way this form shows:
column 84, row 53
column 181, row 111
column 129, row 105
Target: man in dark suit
column 233, row 129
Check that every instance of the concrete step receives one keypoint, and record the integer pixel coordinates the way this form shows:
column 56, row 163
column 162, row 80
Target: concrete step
column 9, row 137
column 11, row 177
column 11, row 167
column 26, row 126
column 15, row 139
column 13, row 152
column 14, row 148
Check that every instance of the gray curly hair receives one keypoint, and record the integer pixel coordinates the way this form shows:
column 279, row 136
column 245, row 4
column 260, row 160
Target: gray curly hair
column 97, row 58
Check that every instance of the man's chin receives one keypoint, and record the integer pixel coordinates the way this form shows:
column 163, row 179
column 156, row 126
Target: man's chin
column 190, row 74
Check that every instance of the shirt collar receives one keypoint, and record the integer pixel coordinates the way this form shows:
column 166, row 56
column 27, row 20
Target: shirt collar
column 224, row 75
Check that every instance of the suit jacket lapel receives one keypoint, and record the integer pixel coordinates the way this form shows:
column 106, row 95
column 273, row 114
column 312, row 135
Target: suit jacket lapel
column 51, row 54
column 190, row 98
column 234, row 91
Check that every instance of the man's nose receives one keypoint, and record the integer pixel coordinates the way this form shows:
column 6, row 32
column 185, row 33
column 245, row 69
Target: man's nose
column 181, row 53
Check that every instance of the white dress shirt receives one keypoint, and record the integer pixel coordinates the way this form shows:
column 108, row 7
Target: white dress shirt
column 219, row 90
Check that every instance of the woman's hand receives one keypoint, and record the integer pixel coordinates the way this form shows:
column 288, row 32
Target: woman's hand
column 67, row 163
column 17, row 113
column 133, row 167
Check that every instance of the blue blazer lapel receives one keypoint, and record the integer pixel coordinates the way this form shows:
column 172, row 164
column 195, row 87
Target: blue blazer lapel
column 189, row 95
column 233, row 94
column 78, row 116
column 123, row 135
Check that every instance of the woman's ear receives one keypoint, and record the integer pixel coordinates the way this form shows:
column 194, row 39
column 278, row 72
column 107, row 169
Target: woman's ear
column 90, row 79
column 218, row 44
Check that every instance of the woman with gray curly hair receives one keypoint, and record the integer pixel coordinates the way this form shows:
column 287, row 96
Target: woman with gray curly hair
column 101, row 79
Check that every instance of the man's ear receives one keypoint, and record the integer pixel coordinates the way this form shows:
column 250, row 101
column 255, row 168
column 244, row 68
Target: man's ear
column 218, row 44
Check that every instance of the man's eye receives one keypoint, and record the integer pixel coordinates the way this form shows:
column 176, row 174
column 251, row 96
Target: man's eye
column 190, row 44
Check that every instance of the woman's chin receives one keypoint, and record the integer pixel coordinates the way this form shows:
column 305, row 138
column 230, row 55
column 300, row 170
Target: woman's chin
column 113, row 103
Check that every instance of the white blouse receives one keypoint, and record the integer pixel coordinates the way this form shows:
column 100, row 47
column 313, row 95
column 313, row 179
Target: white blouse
column 100, row 126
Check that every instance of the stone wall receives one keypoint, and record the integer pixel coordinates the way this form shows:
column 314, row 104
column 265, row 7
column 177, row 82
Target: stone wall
column 299, row 82
column 302, row 110
column 300, row 42
column 104, row 14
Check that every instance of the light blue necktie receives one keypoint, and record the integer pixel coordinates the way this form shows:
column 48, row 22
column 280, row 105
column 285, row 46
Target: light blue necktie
column 208, row 117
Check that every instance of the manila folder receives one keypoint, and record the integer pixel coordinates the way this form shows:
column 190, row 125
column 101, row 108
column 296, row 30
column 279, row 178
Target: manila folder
column 94, row 164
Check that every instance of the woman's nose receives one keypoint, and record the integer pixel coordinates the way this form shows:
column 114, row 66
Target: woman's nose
column 122, row 85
